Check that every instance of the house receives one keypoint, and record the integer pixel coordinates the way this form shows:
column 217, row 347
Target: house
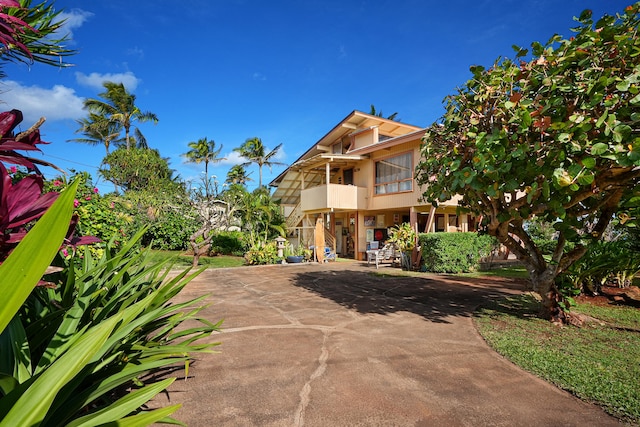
column 359, row 178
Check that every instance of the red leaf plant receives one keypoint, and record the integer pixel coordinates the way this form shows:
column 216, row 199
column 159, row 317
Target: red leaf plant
column 23, row 202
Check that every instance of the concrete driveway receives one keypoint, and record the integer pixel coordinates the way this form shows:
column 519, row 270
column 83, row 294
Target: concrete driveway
column 339, row 345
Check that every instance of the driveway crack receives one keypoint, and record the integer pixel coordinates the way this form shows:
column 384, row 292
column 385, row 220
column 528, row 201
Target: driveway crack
column 306, row 389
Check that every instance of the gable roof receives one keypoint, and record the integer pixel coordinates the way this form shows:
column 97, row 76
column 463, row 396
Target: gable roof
column 313, row 160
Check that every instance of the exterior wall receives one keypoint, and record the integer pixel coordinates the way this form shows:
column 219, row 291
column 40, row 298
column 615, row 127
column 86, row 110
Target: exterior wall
column 403, row 199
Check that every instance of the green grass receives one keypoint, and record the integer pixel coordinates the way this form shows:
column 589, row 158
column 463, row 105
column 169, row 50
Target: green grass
column 220, row 261
column 508, row 272
column 599, row 363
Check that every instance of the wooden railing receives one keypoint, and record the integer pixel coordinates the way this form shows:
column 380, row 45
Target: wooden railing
column 294, row 217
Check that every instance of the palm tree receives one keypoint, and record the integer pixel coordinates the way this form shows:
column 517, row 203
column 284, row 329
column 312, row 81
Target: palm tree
column 98, row 130
column 254, row 151
column 238, row 175
column 118, row 105
column 204, row 151
column 373, row 112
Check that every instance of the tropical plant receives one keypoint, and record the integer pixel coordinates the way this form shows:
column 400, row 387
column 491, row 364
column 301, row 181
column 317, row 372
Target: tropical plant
column 404, row 237
column 80, row 352
column 554, row 137
column 97, row 215
column 376, row 113
column 262, row 253
column 138, row 169
column 260, row 216
column 204, row 151
column 238, row 175
column 119, row 106
column 255, row 152
column 98, row 130
column 31, row 33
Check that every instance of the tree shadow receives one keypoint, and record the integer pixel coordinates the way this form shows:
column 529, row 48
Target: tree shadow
column 434, row 297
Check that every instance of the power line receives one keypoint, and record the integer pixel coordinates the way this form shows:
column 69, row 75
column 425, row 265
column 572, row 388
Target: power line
column 71, row 161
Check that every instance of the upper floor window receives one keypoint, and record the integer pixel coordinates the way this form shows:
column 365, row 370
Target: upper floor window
column 394, row 174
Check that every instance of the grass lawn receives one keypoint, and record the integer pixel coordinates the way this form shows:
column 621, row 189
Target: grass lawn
column 599, row 363
column 220, row 261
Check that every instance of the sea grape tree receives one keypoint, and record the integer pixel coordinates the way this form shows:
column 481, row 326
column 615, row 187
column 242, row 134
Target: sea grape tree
column 554, row 135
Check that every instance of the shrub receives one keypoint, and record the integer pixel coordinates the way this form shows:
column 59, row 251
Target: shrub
column 98, row 216
column 605, row 262
column 454, row 252
column 262, row 253
column 229, row 243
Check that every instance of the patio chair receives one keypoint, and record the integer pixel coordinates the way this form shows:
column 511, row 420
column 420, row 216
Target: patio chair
column 387, row 253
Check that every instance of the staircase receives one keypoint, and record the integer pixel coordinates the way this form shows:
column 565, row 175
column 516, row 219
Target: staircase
column 330, row 240
column 294, row 218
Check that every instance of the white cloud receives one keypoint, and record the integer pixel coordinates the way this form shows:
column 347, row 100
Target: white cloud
column 259, row 77
column 74, row 18
column 57, row 103
column 232, row 158
column 96, row 80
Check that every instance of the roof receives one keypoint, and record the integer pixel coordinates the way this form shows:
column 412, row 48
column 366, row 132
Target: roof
column 313, row 161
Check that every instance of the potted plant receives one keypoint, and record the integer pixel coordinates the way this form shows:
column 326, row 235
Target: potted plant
column 297, row 256
column 404, row 237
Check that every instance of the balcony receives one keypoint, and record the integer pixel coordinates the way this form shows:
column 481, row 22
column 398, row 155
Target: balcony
column 333, row 196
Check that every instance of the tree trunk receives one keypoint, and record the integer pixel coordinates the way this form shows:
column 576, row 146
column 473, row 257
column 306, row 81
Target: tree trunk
column 553, row 302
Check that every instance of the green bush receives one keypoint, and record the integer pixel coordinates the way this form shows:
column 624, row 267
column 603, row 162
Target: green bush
column 99, row 216
column 170, row 232
column 610, row 262
column 454, row 252
column 262, row 253
column 229, row 243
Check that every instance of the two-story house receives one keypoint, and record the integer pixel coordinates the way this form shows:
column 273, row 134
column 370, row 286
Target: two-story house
column 360, row 178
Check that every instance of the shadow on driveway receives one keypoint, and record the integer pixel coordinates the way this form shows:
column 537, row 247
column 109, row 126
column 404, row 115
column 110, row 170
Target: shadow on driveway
column 434, row 297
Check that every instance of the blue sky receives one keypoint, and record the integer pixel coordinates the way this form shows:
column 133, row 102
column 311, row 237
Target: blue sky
column 284, row 71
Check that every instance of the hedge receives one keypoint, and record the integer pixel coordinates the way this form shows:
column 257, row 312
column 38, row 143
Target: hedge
column 454, row 252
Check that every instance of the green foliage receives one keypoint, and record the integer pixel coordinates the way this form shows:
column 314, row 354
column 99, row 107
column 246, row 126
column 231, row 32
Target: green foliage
column 229, row 243
column 255, row 152
column 404, row 237
column 454, row 252
column 262, row 253
column 98, row 216
column 139, row 169
column 557, row 137
column 27, row 263
column 79, row 346
column 39, row 40
column 610, row 263
column 259, row 215
column 118, row 107
column 598, row 362
column 169, row 231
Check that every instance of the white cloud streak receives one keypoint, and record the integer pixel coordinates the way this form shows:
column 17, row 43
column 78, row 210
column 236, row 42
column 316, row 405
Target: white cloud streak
column 74, row 18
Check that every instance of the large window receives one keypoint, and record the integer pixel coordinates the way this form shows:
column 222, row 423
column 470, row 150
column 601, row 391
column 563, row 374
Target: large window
column 394, row 174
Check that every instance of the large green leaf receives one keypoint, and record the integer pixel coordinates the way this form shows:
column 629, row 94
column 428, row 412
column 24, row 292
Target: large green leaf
column 27, row 263
column 33, row 404
column 123, row 406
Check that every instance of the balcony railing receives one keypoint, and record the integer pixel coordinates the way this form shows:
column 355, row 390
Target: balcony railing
column 333, row 196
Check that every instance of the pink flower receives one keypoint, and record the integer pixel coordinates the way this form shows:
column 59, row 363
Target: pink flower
column 95, row 190
column 88, row 198
column 13, row 169
column 65, row 252
column 113, row 205
column 76, row 203
column 57, row 183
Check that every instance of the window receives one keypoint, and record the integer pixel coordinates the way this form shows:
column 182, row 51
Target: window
column 394, row 175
